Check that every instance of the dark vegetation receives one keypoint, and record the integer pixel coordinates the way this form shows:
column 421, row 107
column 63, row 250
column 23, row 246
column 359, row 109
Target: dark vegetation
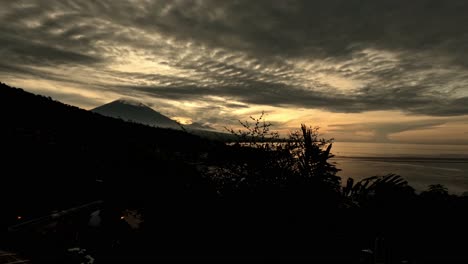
column 256, row 199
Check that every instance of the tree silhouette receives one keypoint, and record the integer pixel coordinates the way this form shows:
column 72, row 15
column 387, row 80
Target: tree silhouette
column 437, row 189
column 262, row 159
column 313, row 154
column 386, row 187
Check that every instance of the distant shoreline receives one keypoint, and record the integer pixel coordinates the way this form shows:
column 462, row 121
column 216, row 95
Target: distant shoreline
column 401, row 143
column 406, row 159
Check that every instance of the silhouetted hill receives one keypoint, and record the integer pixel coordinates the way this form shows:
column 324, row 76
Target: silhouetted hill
column 136, row 112
column 54, row 153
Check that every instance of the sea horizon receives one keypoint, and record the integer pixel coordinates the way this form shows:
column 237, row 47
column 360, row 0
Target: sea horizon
column 420, row 164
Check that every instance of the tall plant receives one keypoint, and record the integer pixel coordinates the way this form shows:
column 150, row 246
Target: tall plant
column 261, row 158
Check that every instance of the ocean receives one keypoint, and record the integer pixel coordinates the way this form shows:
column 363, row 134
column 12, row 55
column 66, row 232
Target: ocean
column 421, row 165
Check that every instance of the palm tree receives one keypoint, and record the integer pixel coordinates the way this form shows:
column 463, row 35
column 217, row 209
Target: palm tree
column 359, row 193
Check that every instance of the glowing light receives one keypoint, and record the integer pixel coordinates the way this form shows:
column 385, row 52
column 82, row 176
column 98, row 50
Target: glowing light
column 183, row 120
column 19, row 217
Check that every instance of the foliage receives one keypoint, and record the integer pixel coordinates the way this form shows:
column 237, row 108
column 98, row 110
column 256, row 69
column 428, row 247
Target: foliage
column 389, row 186
column 261, row 158
column 436, row 189
column 313, row 154
column 253, row 134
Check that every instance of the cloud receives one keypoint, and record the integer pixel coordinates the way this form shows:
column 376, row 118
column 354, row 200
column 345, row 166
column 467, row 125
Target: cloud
column 380, row 131
column 31, row 53
column 302, row 28
column 338, row 56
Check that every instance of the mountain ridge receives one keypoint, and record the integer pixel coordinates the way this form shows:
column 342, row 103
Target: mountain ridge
column 52, row 149
column 136, row 111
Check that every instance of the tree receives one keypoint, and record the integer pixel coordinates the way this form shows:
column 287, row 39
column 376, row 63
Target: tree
column 389, row 188
column 259, row 158
column 312, row 155
column 437, row 189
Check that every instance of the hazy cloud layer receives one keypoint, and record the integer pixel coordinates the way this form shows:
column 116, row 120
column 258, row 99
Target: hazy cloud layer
column 336, row 55
column 381, row 131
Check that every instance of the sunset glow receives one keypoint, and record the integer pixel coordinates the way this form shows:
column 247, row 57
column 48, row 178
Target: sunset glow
column 354, row 83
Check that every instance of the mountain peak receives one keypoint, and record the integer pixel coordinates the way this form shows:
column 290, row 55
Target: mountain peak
column 132, row 110
column 132, row 102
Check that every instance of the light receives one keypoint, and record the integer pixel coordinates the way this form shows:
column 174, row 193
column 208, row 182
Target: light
column 19, row 217
column 122, row 218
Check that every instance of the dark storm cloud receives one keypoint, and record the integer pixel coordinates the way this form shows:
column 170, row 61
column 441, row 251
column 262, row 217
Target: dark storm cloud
column 274, row 95
column 255, row 92
column 298, row 28
column 295, row 27
column 17, row 49
column 336, row 55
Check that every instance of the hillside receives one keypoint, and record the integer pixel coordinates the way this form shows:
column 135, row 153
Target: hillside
column 54, row 150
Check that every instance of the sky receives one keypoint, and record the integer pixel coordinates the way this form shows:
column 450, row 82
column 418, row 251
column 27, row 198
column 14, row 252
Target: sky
column 373, row 71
